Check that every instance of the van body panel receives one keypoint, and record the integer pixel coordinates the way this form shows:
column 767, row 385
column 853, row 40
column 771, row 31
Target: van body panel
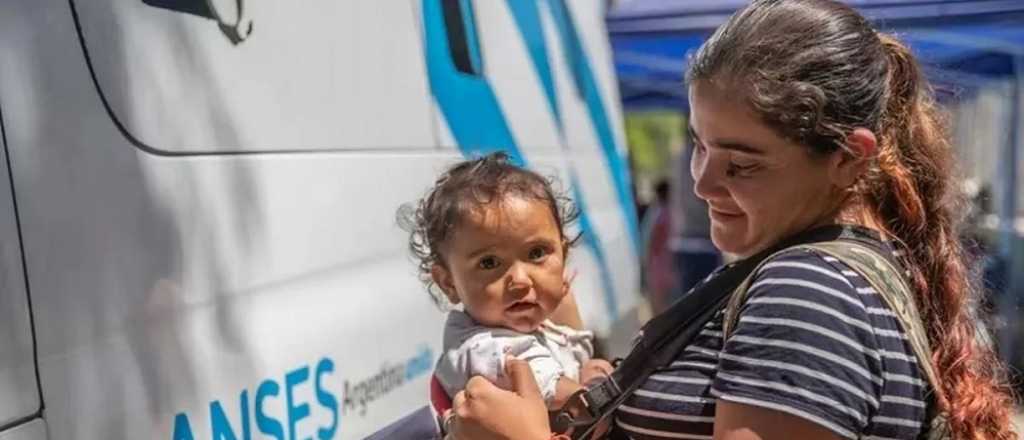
column 343, row 73
column 34, row 430
column 18, row 388
column 552, row 81
column 504, row 48
column 255, row 291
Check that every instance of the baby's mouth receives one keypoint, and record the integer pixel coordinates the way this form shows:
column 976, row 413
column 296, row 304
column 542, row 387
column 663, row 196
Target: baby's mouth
column 521, row 306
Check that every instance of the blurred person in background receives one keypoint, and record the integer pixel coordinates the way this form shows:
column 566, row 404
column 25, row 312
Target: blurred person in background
column 997, row 305
column 659, row 271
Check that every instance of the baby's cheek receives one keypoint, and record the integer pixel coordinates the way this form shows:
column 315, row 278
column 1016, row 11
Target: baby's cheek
column 553, row 290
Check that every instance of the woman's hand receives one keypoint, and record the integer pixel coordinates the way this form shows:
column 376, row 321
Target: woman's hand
column 484, row 411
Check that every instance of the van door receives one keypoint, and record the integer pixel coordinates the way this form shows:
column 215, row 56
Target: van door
column 19, row 392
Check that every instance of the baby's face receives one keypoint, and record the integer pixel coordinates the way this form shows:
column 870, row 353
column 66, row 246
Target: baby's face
column 505, row 263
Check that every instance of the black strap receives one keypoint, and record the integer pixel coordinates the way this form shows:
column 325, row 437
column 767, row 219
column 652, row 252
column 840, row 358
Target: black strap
column 665, row 336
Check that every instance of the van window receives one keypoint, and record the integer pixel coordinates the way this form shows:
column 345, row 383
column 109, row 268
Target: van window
column 193, row 76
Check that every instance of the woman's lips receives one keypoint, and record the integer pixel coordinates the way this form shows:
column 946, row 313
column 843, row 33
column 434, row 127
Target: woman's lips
column 723, row 215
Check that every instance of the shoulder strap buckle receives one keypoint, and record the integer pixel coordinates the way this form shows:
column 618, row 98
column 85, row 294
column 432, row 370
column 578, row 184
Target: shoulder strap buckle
column 584, row 407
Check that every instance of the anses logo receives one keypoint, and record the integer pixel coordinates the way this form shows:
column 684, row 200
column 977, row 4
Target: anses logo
column 264, row 404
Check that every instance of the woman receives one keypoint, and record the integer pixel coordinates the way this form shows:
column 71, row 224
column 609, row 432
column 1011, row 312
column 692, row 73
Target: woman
column 802, row 115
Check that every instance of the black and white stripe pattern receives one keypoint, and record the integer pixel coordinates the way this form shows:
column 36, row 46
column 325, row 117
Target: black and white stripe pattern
column 813, row 340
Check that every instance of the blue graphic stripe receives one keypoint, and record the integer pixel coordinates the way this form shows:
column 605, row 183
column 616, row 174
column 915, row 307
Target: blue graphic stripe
column 527, row 17
column 586, row 84
column 471, row 109
column 590, row 240
column 467, row 101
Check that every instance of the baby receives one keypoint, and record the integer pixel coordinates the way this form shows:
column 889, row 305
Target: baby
column 491, row 236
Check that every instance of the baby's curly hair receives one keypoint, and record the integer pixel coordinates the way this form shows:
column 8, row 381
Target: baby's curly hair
column 465, row 187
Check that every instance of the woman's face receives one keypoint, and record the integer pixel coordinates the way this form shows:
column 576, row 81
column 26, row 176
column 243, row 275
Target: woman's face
column 760, row 188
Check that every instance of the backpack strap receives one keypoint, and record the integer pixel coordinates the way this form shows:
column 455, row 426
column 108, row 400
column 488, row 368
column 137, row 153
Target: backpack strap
column 891, row 285
column 731, row 314
column 666, row 335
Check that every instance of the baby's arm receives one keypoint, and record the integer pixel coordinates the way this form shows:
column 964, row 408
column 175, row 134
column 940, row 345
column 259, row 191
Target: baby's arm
column 594, row 370
column 574, row 347
column 564, row 389
column 556, row 385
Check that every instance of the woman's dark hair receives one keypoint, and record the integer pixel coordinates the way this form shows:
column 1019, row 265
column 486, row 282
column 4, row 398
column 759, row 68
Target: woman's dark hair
column 466, row 187
column 813, row 70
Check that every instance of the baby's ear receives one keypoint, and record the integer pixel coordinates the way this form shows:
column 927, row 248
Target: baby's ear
column 443, row 278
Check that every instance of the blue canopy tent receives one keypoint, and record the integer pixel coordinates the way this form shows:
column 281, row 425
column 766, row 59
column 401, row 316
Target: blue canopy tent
column 961, row 42
column 963, row 45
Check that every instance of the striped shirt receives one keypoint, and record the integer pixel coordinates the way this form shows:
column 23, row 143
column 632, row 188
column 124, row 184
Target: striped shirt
column 813, row 340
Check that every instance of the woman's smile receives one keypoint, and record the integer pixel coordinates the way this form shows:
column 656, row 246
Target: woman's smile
column 724, row 216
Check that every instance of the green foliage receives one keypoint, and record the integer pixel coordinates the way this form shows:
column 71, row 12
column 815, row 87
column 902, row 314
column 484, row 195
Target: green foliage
column 655, row 138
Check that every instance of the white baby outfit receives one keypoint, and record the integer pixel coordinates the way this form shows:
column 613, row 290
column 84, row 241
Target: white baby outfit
column 471, row 349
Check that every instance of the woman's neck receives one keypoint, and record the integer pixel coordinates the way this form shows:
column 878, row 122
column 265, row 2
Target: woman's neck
column 858, row 214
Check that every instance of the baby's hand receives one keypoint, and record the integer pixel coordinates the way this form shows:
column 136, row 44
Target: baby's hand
column 594, row 370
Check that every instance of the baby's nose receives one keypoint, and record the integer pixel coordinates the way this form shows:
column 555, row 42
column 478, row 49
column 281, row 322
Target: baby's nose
column 519, row 277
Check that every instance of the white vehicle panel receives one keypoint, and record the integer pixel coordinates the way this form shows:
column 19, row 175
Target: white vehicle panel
column 20, row 395
column 197, row 296
column 508, row 68
column 34, row 430
column 590, row 24
column 313, row 74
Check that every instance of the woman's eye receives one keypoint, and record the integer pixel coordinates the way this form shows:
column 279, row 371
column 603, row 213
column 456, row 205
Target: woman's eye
column 537, row 253
column 698, row 147
column 488, row 263
column 740, row 168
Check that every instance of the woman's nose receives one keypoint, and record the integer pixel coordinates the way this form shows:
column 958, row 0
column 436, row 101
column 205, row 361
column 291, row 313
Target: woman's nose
column 707, row 176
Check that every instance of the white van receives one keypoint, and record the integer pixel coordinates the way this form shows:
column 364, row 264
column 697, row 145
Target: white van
column 198, row 198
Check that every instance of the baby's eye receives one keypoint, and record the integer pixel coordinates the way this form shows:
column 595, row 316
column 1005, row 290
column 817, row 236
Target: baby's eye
column 488, row 262
column 537, row 253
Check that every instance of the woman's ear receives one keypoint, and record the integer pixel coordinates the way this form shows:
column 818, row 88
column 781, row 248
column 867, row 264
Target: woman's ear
column 850, row 163
column 443, row 278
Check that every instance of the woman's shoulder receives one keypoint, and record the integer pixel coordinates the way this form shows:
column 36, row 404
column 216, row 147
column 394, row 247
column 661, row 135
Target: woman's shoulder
column 811, row 319
column 804, row 273
column 807, row 272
